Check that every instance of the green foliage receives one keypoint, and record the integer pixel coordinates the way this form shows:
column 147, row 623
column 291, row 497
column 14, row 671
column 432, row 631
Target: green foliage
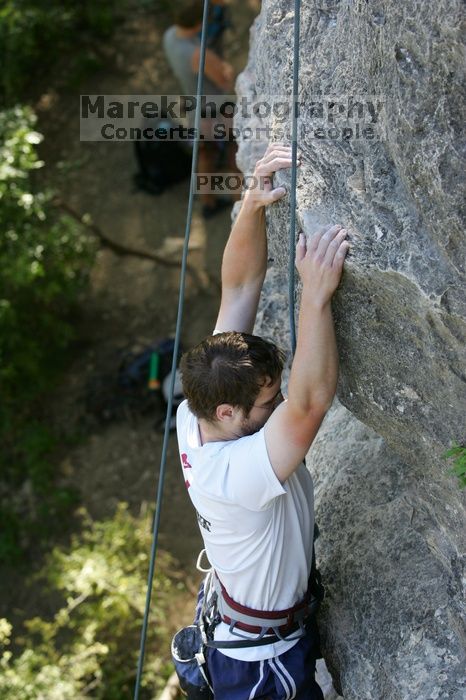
column 35, row 33
column 90, row 647
column 43, row 264
column 458, row 454
column 36, row 508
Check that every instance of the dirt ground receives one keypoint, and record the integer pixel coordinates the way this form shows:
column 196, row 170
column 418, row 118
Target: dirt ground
column 130, row 301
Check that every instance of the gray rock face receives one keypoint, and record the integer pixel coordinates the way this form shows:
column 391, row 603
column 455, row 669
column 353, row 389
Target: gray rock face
column 401, row 311
column 390, row 552
column 392, row 615
column 392, row 518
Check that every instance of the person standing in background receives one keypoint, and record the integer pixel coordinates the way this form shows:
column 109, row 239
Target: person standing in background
column 181, row 44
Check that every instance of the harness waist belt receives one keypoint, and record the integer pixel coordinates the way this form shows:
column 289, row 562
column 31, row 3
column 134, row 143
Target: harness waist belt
column 261, row 621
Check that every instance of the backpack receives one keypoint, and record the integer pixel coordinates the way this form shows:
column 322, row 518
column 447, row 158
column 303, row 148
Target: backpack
column 161, row 163
column 123, row 392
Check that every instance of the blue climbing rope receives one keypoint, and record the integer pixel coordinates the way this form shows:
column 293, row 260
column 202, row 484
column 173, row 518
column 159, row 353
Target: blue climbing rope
column 294, row 172
column 184, row 260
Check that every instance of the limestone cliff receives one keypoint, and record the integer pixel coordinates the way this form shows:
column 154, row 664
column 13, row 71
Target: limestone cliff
column 392, row 519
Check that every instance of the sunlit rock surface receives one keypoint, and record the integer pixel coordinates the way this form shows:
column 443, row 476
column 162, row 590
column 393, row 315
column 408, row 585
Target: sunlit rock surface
column 392, row 519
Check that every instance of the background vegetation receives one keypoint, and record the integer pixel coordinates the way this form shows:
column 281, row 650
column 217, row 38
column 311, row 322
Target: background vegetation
column 47, row 33
column 87, row 646
column 44, row 259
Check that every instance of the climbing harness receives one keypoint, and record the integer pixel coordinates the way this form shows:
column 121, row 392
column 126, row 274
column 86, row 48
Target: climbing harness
column 292, row 242
column 214, row 605
column 268, row 626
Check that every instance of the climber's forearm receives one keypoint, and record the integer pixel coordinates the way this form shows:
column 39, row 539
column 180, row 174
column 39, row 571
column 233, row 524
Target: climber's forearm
column 314, row 373
column 245, row 257
column 293, row 425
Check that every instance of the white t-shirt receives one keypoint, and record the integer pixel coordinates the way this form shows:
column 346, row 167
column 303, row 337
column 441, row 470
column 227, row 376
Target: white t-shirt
column 257, row 532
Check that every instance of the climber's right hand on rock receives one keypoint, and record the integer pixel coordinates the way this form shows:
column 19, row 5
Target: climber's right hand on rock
column 261, row 190
column 319, row 261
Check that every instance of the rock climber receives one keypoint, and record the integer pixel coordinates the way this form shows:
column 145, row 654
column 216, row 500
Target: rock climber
column 242, row 447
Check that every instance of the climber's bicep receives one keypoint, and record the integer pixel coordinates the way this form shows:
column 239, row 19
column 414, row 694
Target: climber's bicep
column 238, row 308
column 289, row 433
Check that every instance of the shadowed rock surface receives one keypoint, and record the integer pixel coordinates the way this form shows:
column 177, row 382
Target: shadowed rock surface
column 392, row 519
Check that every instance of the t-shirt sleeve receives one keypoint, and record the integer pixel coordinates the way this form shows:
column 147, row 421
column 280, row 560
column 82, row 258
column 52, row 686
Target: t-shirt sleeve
column 252, row 480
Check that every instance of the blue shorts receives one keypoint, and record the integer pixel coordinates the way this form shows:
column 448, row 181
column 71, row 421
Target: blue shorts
column 290, row 675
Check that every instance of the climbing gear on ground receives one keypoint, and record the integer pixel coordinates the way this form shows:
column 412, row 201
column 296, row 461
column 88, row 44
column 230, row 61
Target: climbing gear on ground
column 154, row 381
column 128, row 389
column 161, row 163
column 137, row 366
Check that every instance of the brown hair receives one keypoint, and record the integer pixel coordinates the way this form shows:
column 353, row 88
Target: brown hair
column 189, row 13
column 228, row 368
